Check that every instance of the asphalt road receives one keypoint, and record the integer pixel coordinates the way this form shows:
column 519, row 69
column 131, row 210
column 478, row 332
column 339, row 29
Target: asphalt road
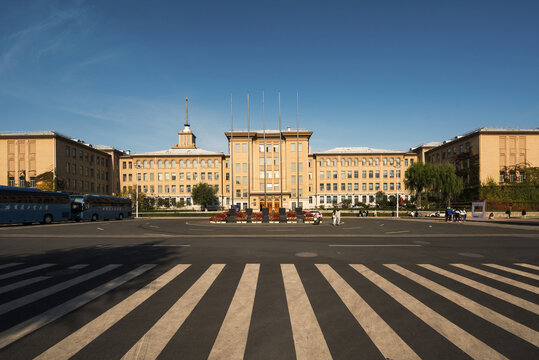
column 183, row 288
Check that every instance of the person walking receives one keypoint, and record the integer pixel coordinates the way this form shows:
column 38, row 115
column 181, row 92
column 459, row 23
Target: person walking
column 334, row 217
column 338, row 214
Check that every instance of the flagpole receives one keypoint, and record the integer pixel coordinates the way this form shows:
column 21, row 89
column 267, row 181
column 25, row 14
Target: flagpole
column 297, row 145
column 248, row 156
column 264, row 130
column 231, row 150
column 280, row 151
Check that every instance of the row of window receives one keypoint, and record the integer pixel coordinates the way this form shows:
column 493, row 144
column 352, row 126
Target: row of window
column 167, row 189
column 349, row 174
column 450, row 152
column 348, row 186
column 22, row 181
column 85, row 156
column 72, row 169
column 170, row 164
column 364, row 161
column 172, row 176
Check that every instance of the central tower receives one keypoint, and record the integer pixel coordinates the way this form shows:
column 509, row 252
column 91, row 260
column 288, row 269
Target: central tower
column 186, row 138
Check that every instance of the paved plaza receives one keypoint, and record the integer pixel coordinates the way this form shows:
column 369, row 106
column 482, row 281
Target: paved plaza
column 184, row 288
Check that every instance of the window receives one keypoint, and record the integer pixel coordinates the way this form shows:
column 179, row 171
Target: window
column 364, row 174
column 160, row 164
column 328, row 187
column 377, row 161
column 244, row 167
column 343, row 174
column 335, row 174
column 363, row 186
column 384, row 161
column 173, row 164
column 349, row 187
column 188, row 176
column 238, row 167
column 377, row 186
column 152, row 176
column 377, row 174
column 238, row 180
column 343, row 186
column 238, row 147
column 391, row 186
column 335, row 187
column 124, row 165
column 167, row 164
column 244, row 147
column 398, row 173
column 293, row 147
column 159, row 176
column 321, row 187
column 385, row 174
column 195, row 176
column 203, row 176
column 370, row 161
column 391, row 160
column 203, row 163
column 261, row 148
column 145, row 176
column 188, row 188
column 398, row 161
column 371, row 174
column 405, row 162
column 370, row 186
column 275, row 148
column 188, row 162
column 385, row 187
column 194, row 163
column 173, row 175
column 276, row 174
column 349, row 174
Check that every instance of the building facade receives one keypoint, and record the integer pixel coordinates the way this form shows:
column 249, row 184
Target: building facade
column 262, row 168
column 52, row 161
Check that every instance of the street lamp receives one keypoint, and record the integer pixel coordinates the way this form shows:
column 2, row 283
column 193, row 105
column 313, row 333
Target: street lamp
column 137, row 166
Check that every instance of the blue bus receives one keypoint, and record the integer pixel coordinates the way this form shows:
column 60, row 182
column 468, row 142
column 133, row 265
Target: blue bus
column 100, row 207
column 28, row 205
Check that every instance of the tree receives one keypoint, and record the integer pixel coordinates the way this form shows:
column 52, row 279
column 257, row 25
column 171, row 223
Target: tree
column 446, row 182
column 132, row 194
column 203, row 194
column 381, row 199
column 346, row 203
column 419, row 177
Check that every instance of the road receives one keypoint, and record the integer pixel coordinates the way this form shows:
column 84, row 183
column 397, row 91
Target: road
column 183, row 288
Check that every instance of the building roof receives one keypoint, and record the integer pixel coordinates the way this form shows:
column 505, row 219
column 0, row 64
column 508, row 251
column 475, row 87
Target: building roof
column 179, row 152
column 358, row 150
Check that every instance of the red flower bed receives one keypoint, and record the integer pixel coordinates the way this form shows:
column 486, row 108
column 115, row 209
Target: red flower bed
column 219, row 217
column 274, row 216
column 256, row 216
column 241, row 216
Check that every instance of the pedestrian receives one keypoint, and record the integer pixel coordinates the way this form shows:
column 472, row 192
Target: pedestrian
column 450, row 213
column 334, row 217
column 338, row 215
column 491, row 216
column 463, row 212
column 447, row 214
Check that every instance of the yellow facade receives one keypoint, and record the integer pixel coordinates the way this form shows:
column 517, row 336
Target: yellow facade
column 489, row 154
column 31, row 158
column 269, row 168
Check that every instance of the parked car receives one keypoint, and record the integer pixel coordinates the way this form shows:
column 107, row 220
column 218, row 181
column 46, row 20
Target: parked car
column 316, row 213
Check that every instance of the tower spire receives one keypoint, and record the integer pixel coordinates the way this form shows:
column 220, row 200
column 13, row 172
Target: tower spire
column 186, row 114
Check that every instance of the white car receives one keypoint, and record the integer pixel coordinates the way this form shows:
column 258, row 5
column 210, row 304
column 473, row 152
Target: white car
column 434, row 214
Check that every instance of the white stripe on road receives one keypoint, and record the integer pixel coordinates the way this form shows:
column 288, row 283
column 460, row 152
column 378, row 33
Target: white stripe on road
column 22, row 283
column 155, row 339
column 30, row 325
column 528, row 266
column 72, row 344
column 78, row 267
column 5, row 266
column 232, row 337
column 525, row 304
column 386, row 340
column 373, row 245
column 308, row 338
column 459, row 337
column 499, row 278
column 17, row 303
column 25, row 271
column 514, row 271
column 483, row 312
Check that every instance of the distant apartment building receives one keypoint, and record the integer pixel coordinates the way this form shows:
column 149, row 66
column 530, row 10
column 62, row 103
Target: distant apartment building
column 50, row 160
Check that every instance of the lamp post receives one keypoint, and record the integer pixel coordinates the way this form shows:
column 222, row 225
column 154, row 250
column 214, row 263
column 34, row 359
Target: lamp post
column 136, row 191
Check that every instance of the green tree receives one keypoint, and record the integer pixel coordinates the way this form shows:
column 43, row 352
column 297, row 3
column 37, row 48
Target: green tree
column 132, row 194
column 346, row 203
column 419, row 177
column 203, row 194
column 381, row 199
column 446, row 182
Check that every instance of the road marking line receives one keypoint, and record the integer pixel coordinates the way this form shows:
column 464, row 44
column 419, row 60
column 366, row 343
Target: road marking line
column 459, row 337
column 15, row 333
column 528, row 266
column 309, row 341
column 514, row 271
column 17, row 303
column 78, row 267
column 373, row 245
column 398, row 232
column 4, row 266
column 168, row 245
column 499, row 278
column 483, row 312
column 232, row 337
column 22, row 283
column 527, row 305
column 75, row 342
column 25, row 271
column 155, row 339
column 386, row 340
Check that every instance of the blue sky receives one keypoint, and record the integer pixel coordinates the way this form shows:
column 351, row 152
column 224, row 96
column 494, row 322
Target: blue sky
column 387, row 74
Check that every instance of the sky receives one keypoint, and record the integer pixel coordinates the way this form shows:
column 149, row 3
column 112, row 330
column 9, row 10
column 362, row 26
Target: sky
column 383, row 74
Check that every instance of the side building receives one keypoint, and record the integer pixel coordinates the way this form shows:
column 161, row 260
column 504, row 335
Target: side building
column 52, row 161
column 489, row 154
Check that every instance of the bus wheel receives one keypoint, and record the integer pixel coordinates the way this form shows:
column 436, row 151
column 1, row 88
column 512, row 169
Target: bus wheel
column 121, row 216
column 94, row 217
column 47, row 219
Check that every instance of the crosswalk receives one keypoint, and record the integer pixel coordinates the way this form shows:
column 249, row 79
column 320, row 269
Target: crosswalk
column 302, row 311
